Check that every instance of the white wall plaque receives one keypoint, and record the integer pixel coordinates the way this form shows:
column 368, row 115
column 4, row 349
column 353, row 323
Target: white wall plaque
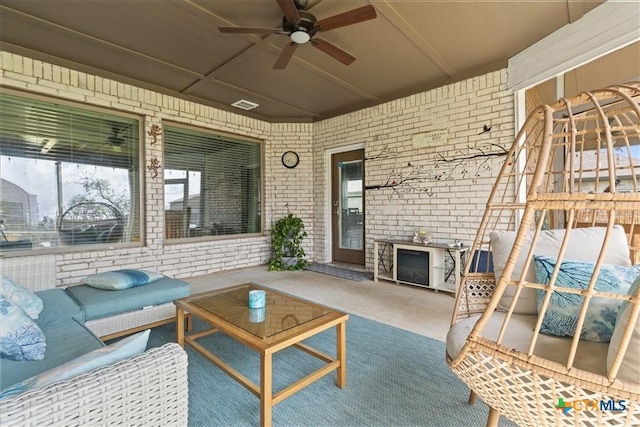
column 421, row 140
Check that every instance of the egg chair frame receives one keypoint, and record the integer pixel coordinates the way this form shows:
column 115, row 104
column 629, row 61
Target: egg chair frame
column 91, row 223
column 576, row 164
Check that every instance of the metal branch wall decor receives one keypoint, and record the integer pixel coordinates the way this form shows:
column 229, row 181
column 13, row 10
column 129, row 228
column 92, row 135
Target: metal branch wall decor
column 384, row 153
column 469, row 163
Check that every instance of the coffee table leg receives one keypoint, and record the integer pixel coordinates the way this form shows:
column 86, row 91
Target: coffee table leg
column 266, row 401
column 180, row 326
column 341, row 350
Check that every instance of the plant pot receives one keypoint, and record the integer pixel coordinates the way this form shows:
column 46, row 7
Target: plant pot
column 289, row 261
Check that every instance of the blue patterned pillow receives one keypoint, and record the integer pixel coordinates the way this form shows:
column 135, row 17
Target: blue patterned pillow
column 20, row 337
column 121, row 279
column 562, row 314
column 30, row 302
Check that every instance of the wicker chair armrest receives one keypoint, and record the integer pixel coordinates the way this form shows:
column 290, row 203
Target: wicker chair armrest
column 146, row 389
column 474, row 294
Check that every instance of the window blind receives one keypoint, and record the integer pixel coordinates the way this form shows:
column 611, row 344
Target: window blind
column 221, row 195
column 63, row 168
column 33, row 128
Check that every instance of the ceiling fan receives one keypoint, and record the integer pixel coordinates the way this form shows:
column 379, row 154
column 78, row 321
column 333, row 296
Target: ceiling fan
column 116, row 141
column 301, row 27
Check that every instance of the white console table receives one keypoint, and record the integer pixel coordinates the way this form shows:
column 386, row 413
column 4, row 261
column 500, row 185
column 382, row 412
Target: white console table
column 445, row 263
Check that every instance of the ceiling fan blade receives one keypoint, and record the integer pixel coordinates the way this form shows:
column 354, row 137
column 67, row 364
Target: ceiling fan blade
column 354, row 16
column 290, row 11
column 285, row 56
column 333, row 51
column 247, row 30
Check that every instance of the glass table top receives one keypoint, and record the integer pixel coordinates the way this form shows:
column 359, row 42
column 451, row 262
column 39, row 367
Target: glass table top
column 281, row 312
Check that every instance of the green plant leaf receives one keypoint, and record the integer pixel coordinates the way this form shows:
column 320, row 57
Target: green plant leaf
column 287, row 235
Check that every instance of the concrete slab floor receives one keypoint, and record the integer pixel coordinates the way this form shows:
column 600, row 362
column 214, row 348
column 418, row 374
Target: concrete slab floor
column 415, row 309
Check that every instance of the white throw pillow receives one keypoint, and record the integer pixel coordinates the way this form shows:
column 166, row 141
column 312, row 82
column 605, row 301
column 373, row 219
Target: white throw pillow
column 584, row 245
column 30, row 302
column 630, row 368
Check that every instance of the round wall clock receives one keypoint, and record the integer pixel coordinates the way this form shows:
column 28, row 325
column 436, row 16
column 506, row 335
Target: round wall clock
column 290, row 159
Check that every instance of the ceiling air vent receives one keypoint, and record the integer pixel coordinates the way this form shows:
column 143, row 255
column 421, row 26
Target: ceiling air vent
column 244, row 104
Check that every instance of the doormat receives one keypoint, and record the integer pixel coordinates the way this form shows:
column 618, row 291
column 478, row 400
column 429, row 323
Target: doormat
column 358, row 276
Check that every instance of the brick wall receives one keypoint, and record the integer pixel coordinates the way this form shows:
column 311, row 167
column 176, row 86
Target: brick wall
column 450, row 193
column 451, row 208
column 187, row 259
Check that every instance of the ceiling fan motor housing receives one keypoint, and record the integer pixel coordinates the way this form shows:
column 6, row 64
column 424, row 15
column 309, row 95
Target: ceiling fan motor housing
column 116, row 140
column 307, row 21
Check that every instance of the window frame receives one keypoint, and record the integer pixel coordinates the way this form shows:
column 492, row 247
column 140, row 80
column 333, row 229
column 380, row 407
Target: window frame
column 140, row 199
column 219, row 134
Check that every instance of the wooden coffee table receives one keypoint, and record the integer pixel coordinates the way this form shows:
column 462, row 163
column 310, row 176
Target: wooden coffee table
column 285, row 321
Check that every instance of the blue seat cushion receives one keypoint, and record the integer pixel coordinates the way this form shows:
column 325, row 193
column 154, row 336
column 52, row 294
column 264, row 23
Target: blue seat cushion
column 99, row 303
column 65, row 340
column 58, row 307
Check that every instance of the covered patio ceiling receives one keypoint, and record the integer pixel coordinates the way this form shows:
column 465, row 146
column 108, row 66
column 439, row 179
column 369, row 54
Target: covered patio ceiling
column 175, row 47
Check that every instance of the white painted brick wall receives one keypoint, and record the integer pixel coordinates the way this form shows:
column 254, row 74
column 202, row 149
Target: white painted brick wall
column 455, row 202
column 452, row 210
column 282, row 187
column 291, row 190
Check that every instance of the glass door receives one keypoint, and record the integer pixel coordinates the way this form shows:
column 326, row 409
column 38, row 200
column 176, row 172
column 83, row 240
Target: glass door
column 347, row 199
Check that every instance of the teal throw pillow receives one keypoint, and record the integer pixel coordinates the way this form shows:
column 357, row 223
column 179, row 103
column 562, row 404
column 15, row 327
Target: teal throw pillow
column 121, row 279
column 104, row 356
column 30, row 302
column 564, row 308
column 20, row 337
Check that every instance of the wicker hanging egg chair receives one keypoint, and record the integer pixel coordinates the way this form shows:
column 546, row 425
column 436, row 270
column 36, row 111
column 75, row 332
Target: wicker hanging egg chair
column 546, row 325
column 91, row 223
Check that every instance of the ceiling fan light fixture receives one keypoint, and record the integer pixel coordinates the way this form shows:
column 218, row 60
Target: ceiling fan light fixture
column 48, row 145
column 300, row 36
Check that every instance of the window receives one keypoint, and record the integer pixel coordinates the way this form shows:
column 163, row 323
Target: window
column 70, row 176
column 213, row 184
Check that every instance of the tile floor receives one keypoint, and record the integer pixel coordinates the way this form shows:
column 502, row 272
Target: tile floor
column 419, row 310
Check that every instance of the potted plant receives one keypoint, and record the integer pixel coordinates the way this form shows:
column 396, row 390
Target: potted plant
column 286, row 240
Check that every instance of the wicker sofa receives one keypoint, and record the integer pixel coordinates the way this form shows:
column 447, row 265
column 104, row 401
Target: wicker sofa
column 39, row 273
column 149, row 388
